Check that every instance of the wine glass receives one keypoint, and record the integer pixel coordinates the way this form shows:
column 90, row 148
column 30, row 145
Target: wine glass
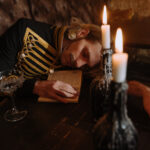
column 9, row 83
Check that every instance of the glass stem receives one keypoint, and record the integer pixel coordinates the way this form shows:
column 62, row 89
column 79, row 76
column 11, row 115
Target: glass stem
column 13, row 103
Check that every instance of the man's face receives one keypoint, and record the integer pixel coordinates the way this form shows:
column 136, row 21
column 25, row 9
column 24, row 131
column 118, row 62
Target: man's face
column 81, row 52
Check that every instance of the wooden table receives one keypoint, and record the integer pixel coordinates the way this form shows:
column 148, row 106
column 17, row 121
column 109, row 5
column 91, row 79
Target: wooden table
column 50, row 126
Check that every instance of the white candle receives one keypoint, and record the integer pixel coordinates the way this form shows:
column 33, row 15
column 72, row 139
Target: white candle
column 119, row 59
column 105, row 31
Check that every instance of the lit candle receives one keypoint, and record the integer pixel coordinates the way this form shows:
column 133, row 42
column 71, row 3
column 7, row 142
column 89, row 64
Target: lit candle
column 105, row 31
column 119, row 59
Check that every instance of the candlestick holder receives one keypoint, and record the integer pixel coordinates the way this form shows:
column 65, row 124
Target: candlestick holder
column 100, row 89
column 107, row 69
column 115, row 130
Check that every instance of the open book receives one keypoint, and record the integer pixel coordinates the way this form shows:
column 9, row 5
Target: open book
column 72, row 77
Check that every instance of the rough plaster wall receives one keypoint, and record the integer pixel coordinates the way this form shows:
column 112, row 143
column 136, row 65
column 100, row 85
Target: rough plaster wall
column 141, row 8
column 49, row 11
column 61, row 11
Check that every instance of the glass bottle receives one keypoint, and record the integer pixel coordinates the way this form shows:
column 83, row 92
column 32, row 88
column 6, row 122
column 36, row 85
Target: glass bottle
column 115, row 130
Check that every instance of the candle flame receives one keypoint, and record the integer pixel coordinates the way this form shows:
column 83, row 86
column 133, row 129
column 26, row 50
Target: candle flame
column 119, row 41
column 104, row 15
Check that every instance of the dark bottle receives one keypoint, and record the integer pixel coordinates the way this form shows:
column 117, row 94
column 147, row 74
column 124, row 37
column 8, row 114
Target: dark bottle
column 99, row 98
column 115, row 130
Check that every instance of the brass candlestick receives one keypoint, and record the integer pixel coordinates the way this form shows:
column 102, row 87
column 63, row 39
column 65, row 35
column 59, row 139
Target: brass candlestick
column 115, row 130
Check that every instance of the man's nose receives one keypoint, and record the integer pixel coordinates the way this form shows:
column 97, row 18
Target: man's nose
column 79, row 63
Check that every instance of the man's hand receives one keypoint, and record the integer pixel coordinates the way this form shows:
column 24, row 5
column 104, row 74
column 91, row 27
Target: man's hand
column 54, row 89
column 138, row 89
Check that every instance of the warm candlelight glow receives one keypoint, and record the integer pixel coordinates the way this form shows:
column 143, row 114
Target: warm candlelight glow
column 119, row 59
column 105, row 31
column 104, row 15
column 119, row 41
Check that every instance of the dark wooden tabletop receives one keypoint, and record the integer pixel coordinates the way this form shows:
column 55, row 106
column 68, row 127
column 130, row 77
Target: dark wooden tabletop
column 51, row 126
column 48, row 126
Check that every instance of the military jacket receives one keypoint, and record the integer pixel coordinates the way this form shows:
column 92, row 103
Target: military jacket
column 33, row 46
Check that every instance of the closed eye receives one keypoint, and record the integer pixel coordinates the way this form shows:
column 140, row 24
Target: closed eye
column 85, row 54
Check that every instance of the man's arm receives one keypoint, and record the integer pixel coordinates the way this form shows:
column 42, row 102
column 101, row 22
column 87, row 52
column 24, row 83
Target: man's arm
column 138, row 89
column 11, row 43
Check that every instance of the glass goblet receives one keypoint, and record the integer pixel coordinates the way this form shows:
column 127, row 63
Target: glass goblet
column 9, row 83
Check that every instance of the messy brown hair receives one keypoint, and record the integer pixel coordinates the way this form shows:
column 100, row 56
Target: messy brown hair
column 94, row 34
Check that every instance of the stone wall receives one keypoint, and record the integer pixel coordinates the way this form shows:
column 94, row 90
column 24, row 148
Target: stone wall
column 49, row 11
column 141, row 8
column 61, row 11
